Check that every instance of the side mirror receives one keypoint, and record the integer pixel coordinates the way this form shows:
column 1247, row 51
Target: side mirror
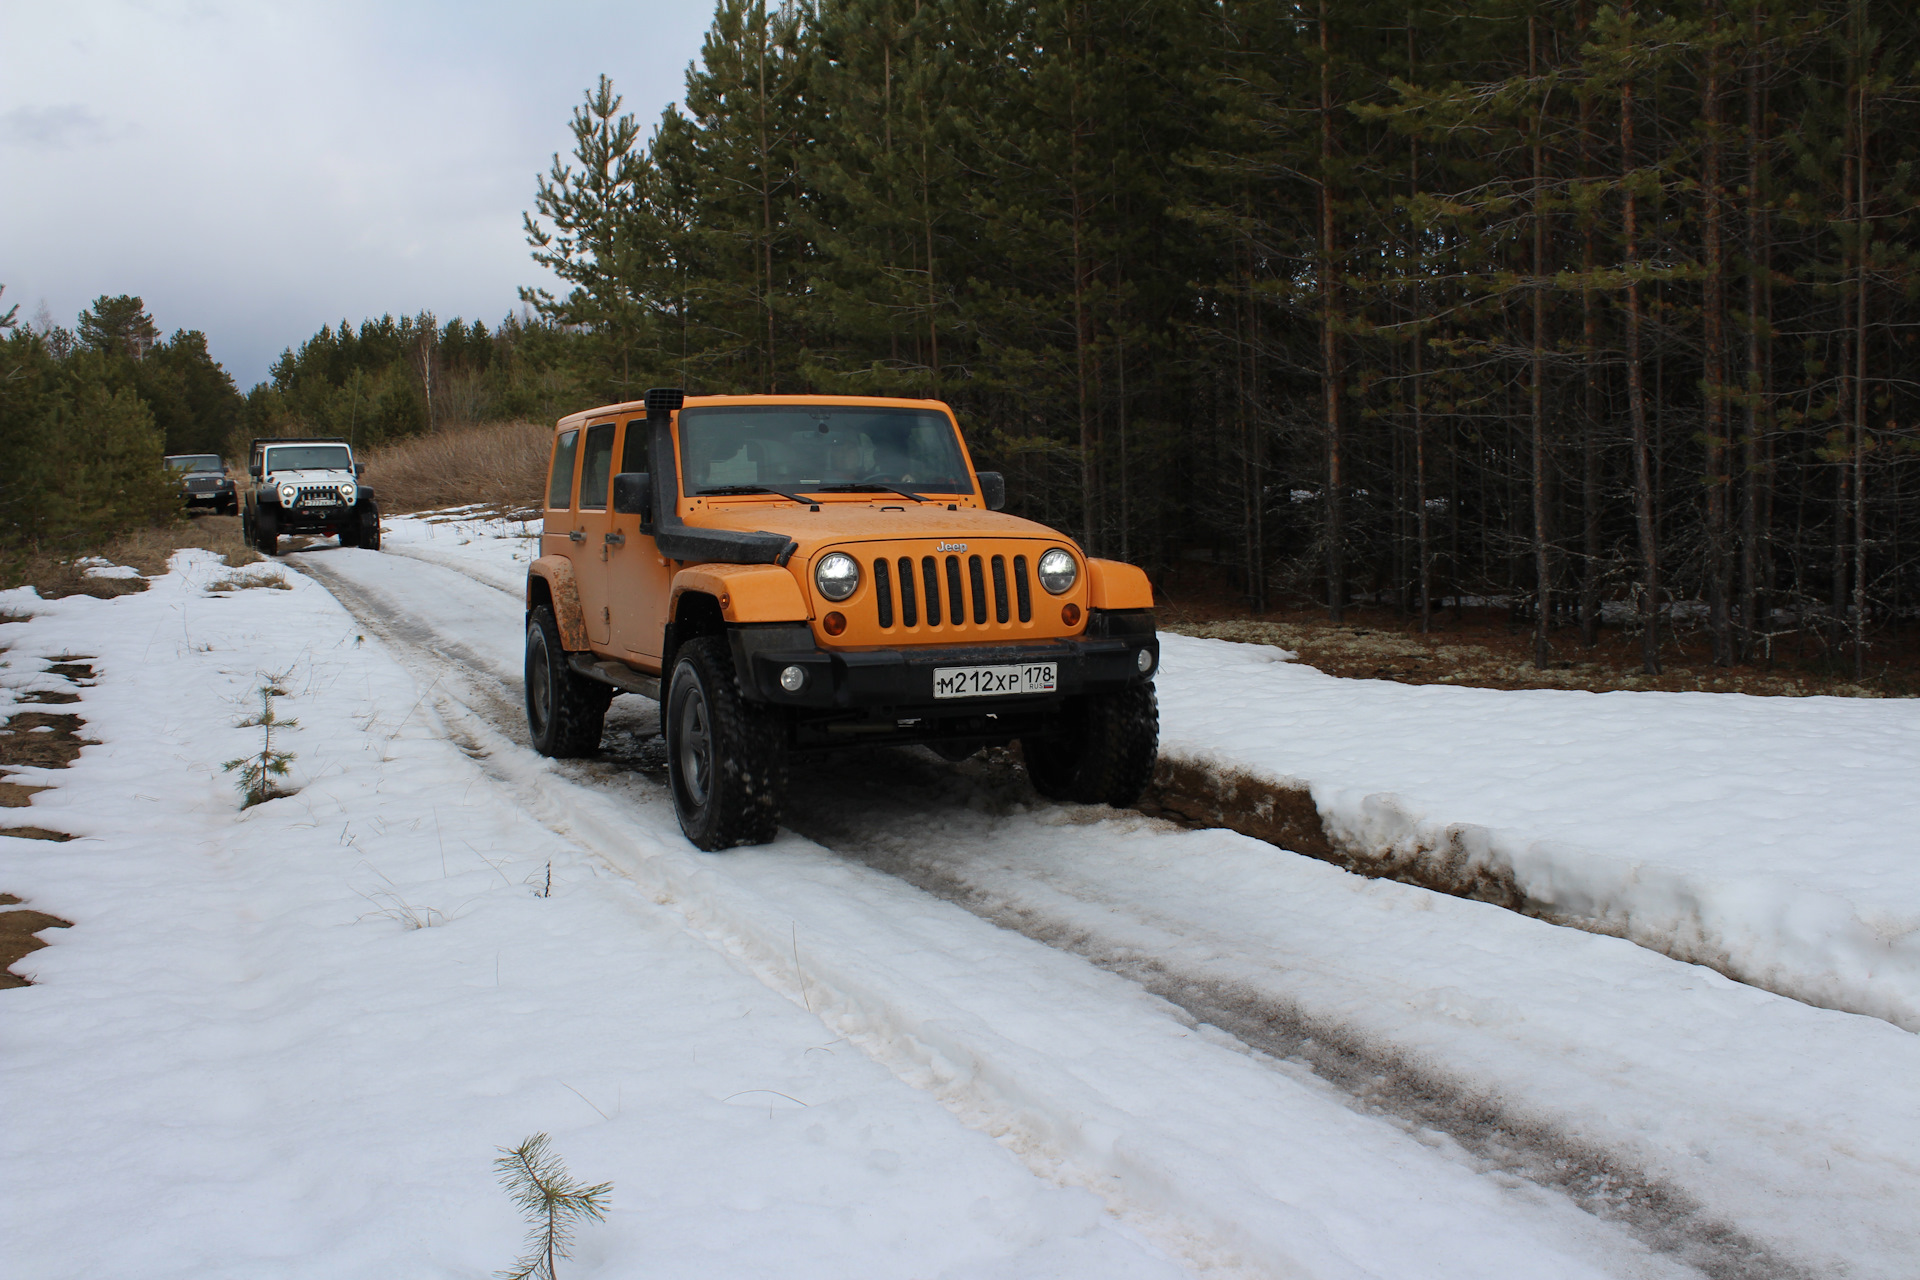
column 359, row 469
column 633, row 495
column 254, row 472
column 993, row 489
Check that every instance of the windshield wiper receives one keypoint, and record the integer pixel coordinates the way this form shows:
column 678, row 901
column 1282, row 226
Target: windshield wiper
column 734, row 490
column 866, row 487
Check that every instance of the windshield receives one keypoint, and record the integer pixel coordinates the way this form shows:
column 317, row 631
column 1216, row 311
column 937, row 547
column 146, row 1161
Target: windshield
column 196, row 462
column 309, row 457
column 730, row 448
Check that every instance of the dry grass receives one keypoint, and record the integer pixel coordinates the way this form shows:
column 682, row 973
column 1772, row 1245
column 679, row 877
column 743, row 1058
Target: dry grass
column 499, row 464
column 147, row 550
column 249, row 582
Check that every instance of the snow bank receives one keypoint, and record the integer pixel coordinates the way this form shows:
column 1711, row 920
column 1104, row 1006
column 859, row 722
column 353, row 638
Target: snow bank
column 1775, row 839
column 241, row 1060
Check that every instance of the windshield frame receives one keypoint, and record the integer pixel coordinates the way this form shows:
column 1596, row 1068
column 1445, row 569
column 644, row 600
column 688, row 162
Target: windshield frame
column 268, row 465
column 187, row 464
column 838, row 421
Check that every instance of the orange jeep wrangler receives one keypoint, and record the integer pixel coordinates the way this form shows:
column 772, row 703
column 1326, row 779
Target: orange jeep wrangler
column 786, row 573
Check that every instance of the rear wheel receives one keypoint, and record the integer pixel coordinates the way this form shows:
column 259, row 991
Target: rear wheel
column 1103, row 752
column 565, row 710
column 726, row 758
column 266, row 532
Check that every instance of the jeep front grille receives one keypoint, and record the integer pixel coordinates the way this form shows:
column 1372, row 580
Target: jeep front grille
column 318, row 496
column 976, row 595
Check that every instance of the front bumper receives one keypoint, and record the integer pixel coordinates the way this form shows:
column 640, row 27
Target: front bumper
column 900, row 681
column 311, row 518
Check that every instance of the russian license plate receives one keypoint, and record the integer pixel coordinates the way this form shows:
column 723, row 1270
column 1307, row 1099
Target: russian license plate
column 981, row 682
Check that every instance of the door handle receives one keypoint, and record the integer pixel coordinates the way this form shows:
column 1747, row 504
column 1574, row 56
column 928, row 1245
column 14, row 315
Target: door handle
column 617, row 539
column 578, row 535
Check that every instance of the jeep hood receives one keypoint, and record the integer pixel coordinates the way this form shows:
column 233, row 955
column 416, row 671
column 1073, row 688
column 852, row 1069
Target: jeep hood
column 888, row 519
column 329, row 475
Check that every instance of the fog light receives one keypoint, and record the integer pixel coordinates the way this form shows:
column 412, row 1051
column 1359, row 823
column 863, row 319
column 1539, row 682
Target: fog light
column 1070, row 614
column 1142, row 660
column 834, row 623
column 794, row 679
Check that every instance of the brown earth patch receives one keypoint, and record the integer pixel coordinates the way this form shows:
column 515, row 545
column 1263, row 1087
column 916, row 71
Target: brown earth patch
column 35, row 833
column 54, row 697
column 17, row 940
column 1492, row 648
column 1198, row 796
column 1286, row 817
column 15, row 795
column 41, row 739
column 81, row 673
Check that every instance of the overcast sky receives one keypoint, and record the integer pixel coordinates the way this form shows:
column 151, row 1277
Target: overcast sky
column 255, row 170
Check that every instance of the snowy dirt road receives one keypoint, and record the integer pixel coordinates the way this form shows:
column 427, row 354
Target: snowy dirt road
column 940, row 1028
column 1643, row 1113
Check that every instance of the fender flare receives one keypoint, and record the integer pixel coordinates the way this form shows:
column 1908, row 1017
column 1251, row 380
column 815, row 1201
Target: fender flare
column 557, row 573
column 1113, row 584
column 744, row 592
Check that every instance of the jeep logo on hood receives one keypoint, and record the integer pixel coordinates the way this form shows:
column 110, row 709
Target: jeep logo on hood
column 951, row 546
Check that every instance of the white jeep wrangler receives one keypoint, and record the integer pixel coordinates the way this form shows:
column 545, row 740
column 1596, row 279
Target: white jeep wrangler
column 309, row 485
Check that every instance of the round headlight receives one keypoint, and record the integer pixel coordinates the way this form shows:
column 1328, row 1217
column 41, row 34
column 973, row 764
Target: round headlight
column 837, row 575
column 287, row 495
column 346, row 491
column 1058, row 571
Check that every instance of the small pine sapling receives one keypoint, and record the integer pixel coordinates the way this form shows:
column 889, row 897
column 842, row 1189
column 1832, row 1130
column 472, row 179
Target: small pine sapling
column 258, row 771
column 552, row 1201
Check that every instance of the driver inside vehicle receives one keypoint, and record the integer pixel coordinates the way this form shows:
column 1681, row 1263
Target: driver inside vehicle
column 846, row 458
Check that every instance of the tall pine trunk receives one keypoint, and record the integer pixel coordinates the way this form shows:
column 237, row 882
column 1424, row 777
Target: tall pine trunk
column 1542, row 570
column 1713, row 379
column 1330, row 342
column 1636, row 392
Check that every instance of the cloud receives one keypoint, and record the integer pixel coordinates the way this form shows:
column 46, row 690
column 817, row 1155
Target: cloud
column 68, row 125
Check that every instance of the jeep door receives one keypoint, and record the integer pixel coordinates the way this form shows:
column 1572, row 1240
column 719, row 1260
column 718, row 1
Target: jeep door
column 593, row 519
column 639, row 575
column 559, row 532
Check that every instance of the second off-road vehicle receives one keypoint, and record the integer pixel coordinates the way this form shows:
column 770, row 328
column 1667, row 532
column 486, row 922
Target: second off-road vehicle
column 786, row 573
column 204, row 481
column 310, row 485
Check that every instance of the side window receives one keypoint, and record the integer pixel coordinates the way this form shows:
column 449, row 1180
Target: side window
column 637, row 447
column 596, row 471
column 560, row 480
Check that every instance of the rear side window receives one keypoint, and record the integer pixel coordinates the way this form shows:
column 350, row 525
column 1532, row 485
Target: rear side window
column 560, row 480
column 596, row 471
column 637, row 447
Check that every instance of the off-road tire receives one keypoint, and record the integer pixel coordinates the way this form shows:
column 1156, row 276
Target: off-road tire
column 350, row 532
column 1104, row 751
column 726, row 757
column 566, row 711
column 266, row 532
column 368, row 538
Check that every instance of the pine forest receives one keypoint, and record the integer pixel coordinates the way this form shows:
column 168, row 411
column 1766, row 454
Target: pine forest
column 1608, row 310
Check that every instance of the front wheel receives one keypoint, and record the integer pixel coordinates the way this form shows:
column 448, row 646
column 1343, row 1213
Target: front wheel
column 266, row 532
column 369, row 531
column 726, row 758
column 1103, row 751
column 565, row 710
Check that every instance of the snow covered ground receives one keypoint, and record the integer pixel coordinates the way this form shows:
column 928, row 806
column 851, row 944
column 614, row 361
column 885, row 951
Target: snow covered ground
column 942, row 1029
column 1776, row 839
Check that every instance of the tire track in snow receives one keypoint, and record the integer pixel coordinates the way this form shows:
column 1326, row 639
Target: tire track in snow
column 894, row 801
